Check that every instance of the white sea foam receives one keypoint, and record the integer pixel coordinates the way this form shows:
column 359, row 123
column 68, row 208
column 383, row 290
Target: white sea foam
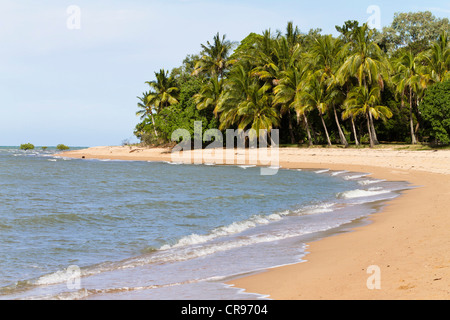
column 233, row 228
column 355, row 176
column 314, row 209
column 369, row 181
column 358, row 193
column 338, row 172
column 247, row 166
column 174, row 163
column 322, row 171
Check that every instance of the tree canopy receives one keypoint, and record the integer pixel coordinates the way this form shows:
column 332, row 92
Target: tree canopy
column 362, row 87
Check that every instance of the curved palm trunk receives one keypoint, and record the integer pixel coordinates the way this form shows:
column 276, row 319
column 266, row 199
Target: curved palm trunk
column 354, row 131
column 325, row 128
column 373, row 132
column 308, row 132
column 411, row 121
column 372, row 143
column 341, row 133
column 154, row 128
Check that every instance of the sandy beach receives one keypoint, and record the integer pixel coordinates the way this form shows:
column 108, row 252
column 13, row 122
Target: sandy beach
column 408, row 241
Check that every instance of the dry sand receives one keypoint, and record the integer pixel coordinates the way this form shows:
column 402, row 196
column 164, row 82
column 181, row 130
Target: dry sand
column 409, row 240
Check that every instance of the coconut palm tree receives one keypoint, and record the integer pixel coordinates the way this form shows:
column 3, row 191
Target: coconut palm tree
column 214, row 61
column 146, row 109
column 315, row 95
column 437, row 59
column 278, row 56
column 326, row 55
column 164, row 91
column 362, row 101
column 409, row 79
column 257, row 111
column 209, row 95
column 245, row 103
column 289, row 93
column 367, row 64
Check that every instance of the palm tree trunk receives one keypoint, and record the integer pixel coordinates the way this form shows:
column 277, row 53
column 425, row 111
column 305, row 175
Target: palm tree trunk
column 325, row 128
column 354, row 131
column 153, row 122
column 411, row 120
column 291, row 131
column 341, row 134
column 373, row 132
column 372, row 144
column 314, row 133
column 308, row 132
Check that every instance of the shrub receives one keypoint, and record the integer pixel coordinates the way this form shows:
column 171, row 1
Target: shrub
column 435, row 110
column 62, row 147
column 27, row 146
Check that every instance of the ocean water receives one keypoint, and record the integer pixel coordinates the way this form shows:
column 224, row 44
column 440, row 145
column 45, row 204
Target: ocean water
column 99, row 229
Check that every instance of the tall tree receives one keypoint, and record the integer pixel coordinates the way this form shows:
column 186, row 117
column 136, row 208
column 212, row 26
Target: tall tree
column 246, row 103
column 367, row 64
column 215, row 57
column 408, row 80
column 362, row 101
column 413, row 31
column 326, row 54
column 164, row 91
column 146, row 109
column 209, row 95
column 289, row 93
column 315, row 95
column 437, row 59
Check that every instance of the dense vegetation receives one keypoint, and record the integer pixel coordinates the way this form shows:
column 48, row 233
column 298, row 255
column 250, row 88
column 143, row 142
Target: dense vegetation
column 363, row 86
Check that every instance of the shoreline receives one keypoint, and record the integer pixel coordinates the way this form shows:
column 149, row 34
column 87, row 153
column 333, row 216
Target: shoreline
column 408, row 239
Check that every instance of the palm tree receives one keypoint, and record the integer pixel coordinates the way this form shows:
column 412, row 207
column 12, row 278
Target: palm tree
column 146, row 109
column 256, row 111
column 437, row 59
column 209, row 95
column 367, row 64
column 349, row 112
column 289, row 93
column 361, row 101
column 278, row 56
column 214, row 61
column 408, row 79
column 246, row 103
column 326, row 55
column 164, row 91
column 315, row 95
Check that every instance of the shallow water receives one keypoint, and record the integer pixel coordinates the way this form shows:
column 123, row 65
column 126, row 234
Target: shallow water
column 97, row 229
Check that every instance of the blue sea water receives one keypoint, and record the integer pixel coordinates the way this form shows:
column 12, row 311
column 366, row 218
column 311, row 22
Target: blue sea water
column 99, row 229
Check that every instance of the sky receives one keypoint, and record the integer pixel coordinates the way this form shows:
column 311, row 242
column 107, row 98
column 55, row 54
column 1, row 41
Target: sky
column 71, row 71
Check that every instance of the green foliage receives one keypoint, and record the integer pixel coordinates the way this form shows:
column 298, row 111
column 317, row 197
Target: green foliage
column 435, row 110
column 413, row 31
column 181, row 115
column 27, row 146
column 314, row 88
column 62, row 147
